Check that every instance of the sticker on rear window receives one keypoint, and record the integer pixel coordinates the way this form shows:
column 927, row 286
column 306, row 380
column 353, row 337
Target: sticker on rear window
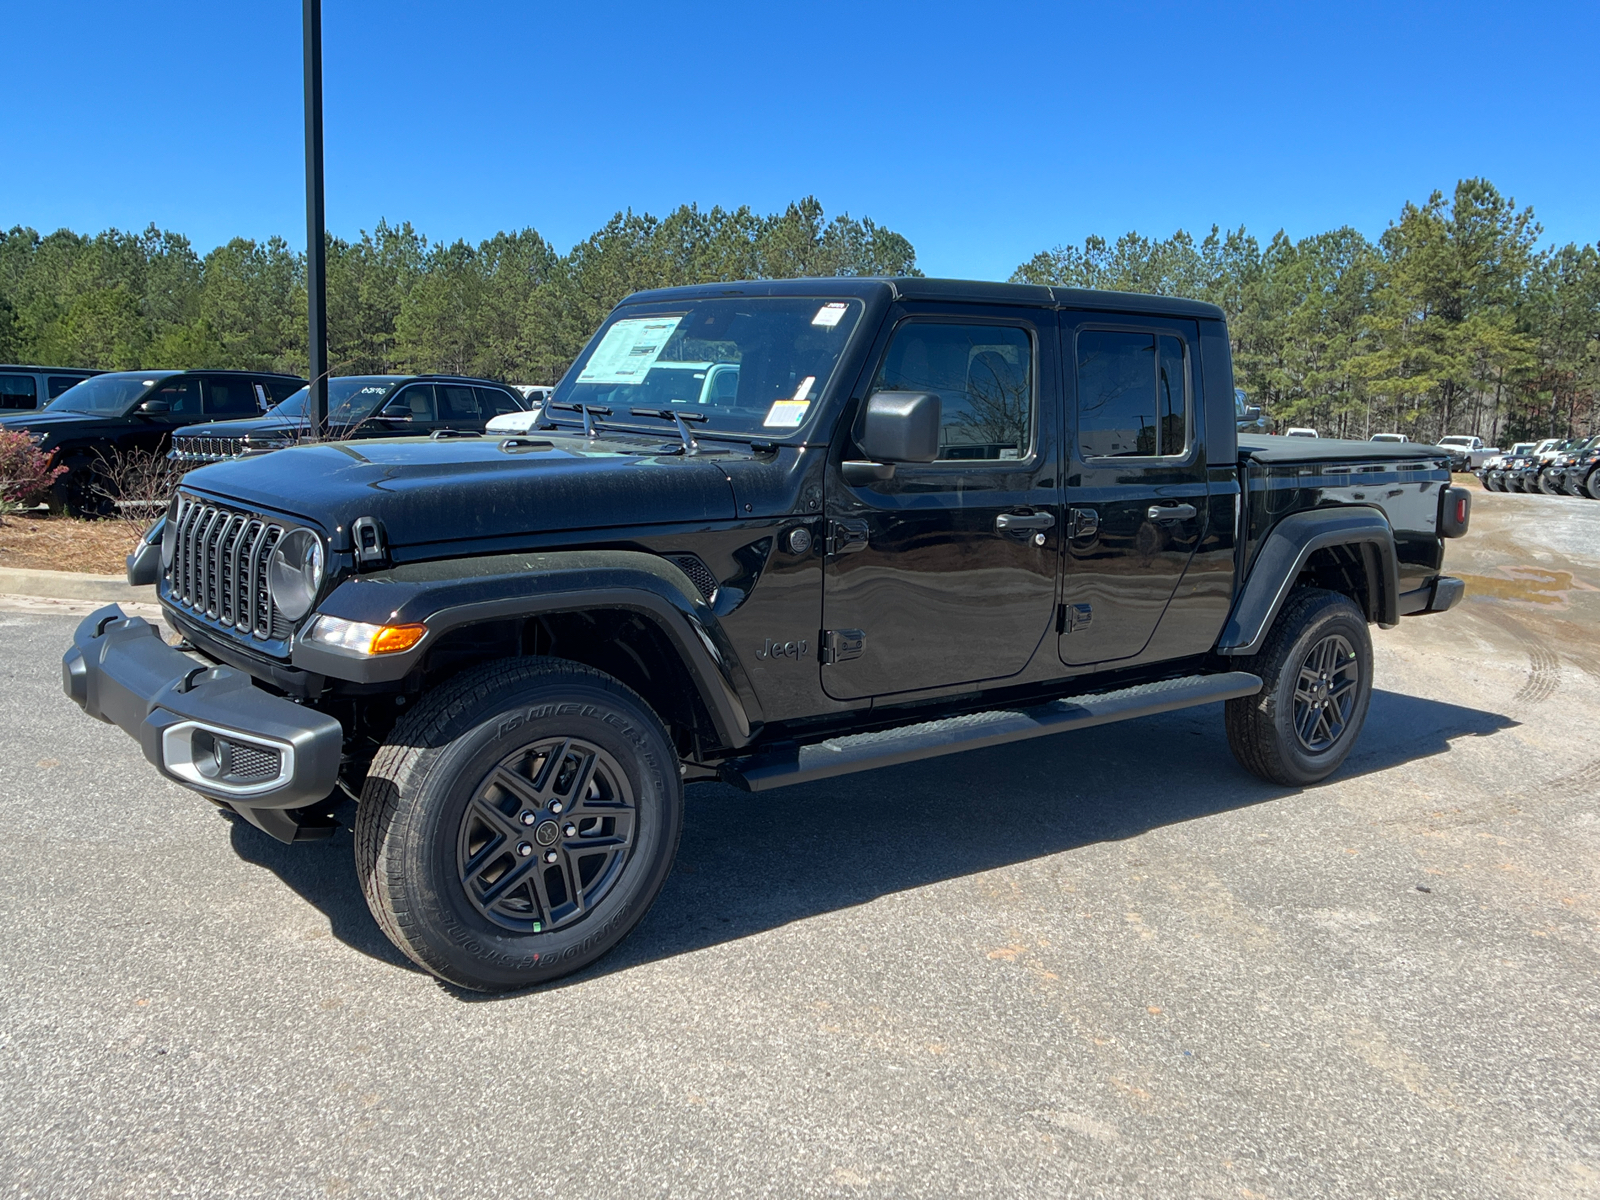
column 830, row 315
column 628, row 350
column 786, row 414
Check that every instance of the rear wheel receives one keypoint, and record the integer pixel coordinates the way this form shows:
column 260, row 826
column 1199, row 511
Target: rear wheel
column 1316, row 672
column 519, row 823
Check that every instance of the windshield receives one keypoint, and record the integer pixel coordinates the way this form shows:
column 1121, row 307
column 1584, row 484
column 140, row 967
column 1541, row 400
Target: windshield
column 350, row 399
column 749, row 365
column 107, row 395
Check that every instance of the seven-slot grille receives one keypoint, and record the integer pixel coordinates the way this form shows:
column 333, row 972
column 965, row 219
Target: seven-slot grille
column 209, row 448
column 219, row 567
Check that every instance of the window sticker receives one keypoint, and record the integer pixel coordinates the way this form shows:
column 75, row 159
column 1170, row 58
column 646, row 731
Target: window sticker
column 830, row 314
column 786, row 414
column 628, row 350
column 803, row 392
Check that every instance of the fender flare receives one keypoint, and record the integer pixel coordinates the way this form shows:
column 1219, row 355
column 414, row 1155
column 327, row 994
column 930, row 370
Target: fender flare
column 446, row 595
column 1283, row 554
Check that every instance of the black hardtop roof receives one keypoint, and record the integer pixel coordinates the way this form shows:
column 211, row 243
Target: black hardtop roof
column 1269, row 448
column 52, row 370
column 169, row 372
column 917, row 288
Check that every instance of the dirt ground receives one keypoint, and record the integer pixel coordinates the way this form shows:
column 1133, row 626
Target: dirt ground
column 41, row 543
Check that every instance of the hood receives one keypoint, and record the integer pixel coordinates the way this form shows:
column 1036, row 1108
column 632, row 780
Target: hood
column 467, row 489
column 266, row 425
column 42, row 420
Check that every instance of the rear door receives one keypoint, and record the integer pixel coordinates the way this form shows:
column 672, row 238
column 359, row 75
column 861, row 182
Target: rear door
column 946, row 573
column 459, row 407
column 1136, row 490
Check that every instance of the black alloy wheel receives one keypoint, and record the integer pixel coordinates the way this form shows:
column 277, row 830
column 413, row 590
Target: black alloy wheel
column 546, row 835
column 1315, row 666
column 1325, row 693
column 518, row 822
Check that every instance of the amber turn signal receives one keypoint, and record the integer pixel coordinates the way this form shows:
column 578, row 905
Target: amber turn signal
column 392, row 639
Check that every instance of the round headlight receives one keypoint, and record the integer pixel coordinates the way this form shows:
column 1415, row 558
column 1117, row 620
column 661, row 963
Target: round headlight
column 295, row 573
column 169, row 543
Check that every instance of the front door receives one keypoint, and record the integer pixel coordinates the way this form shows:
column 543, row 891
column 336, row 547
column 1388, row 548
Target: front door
column 946, row 573
column 1136, row 481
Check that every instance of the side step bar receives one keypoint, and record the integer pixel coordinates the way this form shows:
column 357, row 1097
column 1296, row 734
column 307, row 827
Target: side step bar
column 784, row 765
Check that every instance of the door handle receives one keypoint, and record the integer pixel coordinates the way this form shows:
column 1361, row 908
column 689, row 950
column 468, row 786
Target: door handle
column 1170, row 512
column 1082, row 523
column 1014, row 522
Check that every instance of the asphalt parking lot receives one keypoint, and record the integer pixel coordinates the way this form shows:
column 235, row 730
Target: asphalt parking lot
column 1104, row 964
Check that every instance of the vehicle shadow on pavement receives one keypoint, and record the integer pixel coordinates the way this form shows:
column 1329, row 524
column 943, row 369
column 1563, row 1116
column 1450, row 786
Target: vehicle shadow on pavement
column 750, row 863
column 324, row 875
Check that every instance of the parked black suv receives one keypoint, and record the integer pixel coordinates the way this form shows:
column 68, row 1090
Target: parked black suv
column 121, row 411
column 359, row 406
column 770, row 533
column 25, row 388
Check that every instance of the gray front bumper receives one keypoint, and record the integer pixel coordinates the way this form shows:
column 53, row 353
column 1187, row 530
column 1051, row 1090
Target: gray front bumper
column 208, row 728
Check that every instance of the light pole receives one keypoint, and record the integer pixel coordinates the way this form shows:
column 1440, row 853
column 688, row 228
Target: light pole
column 316, row 224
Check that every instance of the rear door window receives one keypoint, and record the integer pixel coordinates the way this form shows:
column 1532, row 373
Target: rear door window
column 493, row 402
column 18, row 391
column 1133, row 395
column 458, row 404
column 230, row 396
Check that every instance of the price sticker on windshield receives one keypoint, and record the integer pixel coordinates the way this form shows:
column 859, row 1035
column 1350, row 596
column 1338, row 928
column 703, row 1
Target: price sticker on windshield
column 830, row 314
column 786, row 414
column 628, row 350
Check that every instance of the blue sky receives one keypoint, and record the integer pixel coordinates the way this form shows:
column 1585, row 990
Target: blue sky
column 984, row 132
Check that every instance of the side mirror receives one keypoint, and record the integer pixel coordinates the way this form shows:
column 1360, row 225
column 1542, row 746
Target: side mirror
column 395, row 411
column 901, row 427
column 156, row 406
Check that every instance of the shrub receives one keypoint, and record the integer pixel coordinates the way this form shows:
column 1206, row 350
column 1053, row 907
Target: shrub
column 25, row 471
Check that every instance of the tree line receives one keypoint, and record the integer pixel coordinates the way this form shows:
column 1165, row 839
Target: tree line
column 508, row 308
column 1453, row 321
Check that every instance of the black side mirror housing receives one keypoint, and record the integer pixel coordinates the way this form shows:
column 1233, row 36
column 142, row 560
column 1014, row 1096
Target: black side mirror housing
column 901, row 427
column 395, row 411
column 156, row 406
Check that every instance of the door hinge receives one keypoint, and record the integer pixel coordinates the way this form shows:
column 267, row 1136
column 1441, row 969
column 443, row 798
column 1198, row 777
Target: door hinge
column 841, row 645
column 1073, row 616
column 846, row 536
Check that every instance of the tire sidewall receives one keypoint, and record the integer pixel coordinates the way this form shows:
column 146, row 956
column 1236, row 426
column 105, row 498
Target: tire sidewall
column 1336, row 616
column 473, row 947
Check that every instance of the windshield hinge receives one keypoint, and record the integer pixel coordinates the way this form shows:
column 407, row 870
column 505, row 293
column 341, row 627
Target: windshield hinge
column 366, row 538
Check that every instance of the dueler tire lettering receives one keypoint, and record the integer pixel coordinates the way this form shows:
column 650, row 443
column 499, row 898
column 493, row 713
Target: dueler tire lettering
column 436, row 759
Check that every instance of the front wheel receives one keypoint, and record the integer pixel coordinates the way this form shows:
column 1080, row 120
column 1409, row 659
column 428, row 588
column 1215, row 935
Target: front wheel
column 1316, row 672
column 1591, row 485
column 518, row 823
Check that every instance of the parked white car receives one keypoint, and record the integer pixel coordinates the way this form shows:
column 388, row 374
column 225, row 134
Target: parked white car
column 1299, row 431
column 1388, row 437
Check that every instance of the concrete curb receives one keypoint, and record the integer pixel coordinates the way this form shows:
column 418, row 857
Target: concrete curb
column 73, row 585
column 73, row 593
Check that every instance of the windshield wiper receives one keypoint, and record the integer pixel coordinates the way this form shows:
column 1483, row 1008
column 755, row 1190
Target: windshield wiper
column 589, row 411
column 690, row 446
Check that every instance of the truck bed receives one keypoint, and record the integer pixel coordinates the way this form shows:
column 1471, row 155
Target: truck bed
column 1267, row 448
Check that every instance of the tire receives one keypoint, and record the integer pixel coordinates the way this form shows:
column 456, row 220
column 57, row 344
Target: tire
column 1591, row 485
column 471, row 795
column 1315, row 629
column 1492, row 482
column 1547, row 485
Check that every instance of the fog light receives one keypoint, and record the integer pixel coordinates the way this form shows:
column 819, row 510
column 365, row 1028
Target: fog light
column 360, row 637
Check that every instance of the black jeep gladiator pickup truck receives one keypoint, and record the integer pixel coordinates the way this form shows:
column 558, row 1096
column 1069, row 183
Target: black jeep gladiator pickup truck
column 766, row 533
